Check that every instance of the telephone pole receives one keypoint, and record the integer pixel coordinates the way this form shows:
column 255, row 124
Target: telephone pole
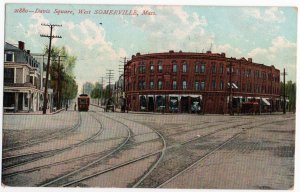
column 284, row 94
column 110, row 77
column 101, row 91
column 230, row 88
column 48, row 62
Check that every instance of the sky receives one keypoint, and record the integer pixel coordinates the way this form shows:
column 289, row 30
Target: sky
column 268, row 35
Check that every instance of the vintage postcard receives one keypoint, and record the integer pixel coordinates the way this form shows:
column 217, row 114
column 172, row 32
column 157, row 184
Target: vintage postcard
column 149, row 96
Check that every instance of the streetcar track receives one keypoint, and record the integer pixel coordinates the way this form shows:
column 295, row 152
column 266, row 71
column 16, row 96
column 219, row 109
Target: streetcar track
column 175, row 145
column 50, row 152
column 148, row 155
column 214, row 150
column 54, row 135
column 93, row 162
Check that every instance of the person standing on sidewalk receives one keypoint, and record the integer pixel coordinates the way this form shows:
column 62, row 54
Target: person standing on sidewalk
column 67, row 106
column 75, row 106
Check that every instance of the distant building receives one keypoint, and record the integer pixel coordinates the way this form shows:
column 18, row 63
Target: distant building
column 179, row 81
column 23, row 85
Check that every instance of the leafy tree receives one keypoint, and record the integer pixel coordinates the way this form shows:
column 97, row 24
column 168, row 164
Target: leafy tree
column 63, row 80
column 97, row 92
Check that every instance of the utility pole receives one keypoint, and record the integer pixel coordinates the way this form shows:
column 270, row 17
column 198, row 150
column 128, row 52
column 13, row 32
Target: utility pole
column 48, row 62
column 110, row 77
column 101, row 90
column 124, row 91
column 284, row 94
column 230, row 84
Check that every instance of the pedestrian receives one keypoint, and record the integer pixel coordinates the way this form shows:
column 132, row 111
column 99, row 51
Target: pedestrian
column 75, row 106
column 67, row 106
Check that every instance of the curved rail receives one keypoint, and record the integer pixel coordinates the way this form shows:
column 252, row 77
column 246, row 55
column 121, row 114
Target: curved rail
column 94, row 162
column 54, row 135
column 55, row 151
column 154, row 153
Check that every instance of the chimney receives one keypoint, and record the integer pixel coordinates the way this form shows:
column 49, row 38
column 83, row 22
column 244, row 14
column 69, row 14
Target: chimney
column 138, row 54
column 208, row 52
column 21, row 45
column 250, row 60
column 171, row 51
column 222, row 54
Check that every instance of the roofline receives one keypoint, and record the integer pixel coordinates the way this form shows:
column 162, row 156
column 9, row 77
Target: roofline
column 171, row 53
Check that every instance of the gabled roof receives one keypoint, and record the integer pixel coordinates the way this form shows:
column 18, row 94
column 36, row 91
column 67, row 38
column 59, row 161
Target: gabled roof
column 10, row 47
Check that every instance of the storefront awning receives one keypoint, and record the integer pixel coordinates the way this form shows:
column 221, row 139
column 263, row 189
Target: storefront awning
column 265, row 101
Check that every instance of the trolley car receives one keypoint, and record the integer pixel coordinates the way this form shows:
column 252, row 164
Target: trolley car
column 83, row 102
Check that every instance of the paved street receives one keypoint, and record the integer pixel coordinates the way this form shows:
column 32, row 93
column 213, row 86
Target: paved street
column 98, row 149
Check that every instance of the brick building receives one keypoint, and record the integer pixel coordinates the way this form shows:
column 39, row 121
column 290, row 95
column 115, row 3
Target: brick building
column 193, row 82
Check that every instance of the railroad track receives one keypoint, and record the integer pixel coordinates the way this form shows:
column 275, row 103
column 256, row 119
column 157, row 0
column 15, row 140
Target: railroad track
column 48, row 138
column 213, row 150
column 22, row 159
column 155, row 164
column 146, row 174
column 101, row 158
column 210, row 152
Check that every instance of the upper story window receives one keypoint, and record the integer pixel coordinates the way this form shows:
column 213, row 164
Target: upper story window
column 202, row 69
column 174, row 68
column 160, row 84
column 184, row 67
column 151, row 84
column 151, row 68
column 197, row 87
column 134, row 70
column 142, row 68
column 202, row 87
column 9, row 56
column 213, row 68
column 221, row 68
column 174, row 85
column 184, row 85
column 197, row 67
column 142, row 85
column 213, row 84
column 256, row 74
column 160, row 67
column 9, row 75
column 221, row 85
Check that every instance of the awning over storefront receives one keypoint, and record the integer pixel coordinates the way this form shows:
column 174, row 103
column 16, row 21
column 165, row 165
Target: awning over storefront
column 265, row 101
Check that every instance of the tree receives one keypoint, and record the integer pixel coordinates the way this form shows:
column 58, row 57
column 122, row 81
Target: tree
column 62, row 76
column 97, row 91
column 290, row 90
